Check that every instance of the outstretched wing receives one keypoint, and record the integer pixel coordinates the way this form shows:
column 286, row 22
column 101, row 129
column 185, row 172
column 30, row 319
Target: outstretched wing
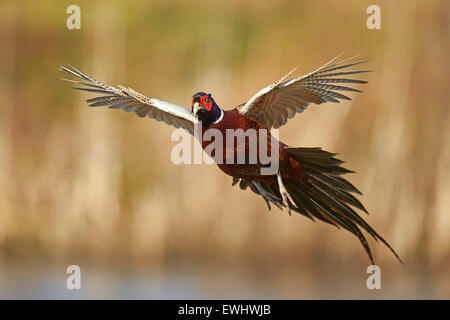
column 132, row 101
column 280, row 101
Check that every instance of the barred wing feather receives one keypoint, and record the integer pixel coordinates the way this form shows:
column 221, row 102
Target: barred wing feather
column 132, row 101
column 280, row 101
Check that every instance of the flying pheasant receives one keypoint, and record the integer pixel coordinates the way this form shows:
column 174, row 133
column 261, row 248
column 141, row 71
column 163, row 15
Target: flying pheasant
column 307, row 180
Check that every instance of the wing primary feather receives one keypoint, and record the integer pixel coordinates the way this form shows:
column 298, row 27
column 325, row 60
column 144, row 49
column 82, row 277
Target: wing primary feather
column 341, row 67
column 94, row 90
column 344, row 73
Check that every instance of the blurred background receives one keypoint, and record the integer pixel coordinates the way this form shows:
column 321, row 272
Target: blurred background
column 97, row 188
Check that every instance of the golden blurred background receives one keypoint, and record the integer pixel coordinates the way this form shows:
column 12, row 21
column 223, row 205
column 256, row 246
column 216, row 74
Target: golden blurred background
column 97, row 188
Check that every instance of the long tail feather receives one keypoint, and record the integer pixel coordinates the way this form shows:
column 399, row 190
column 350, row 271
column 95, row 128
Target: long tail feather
column 327, row 196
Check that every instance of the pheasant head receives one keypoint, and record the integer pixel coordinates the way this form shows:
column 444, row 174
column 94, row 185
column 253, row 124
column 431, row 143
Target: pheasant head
column 205, row 108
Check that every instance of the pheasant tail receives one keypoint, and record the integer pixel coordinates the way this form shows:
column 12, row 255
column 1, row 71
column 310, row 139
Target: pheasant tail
column 327, row 196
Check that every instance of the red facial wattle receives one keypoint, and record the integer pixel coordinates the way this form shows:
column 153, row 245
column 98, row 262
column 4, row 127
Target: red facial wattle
column 206, row 101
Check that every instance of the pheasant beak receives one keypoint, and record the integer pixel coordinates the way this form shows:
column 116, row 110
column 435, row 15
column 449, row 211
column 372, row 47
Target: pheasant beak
column 196, row 108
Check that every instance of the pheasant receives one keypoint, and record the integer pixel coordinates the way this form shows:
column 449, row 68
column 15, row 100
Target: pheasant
column 307, row 180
